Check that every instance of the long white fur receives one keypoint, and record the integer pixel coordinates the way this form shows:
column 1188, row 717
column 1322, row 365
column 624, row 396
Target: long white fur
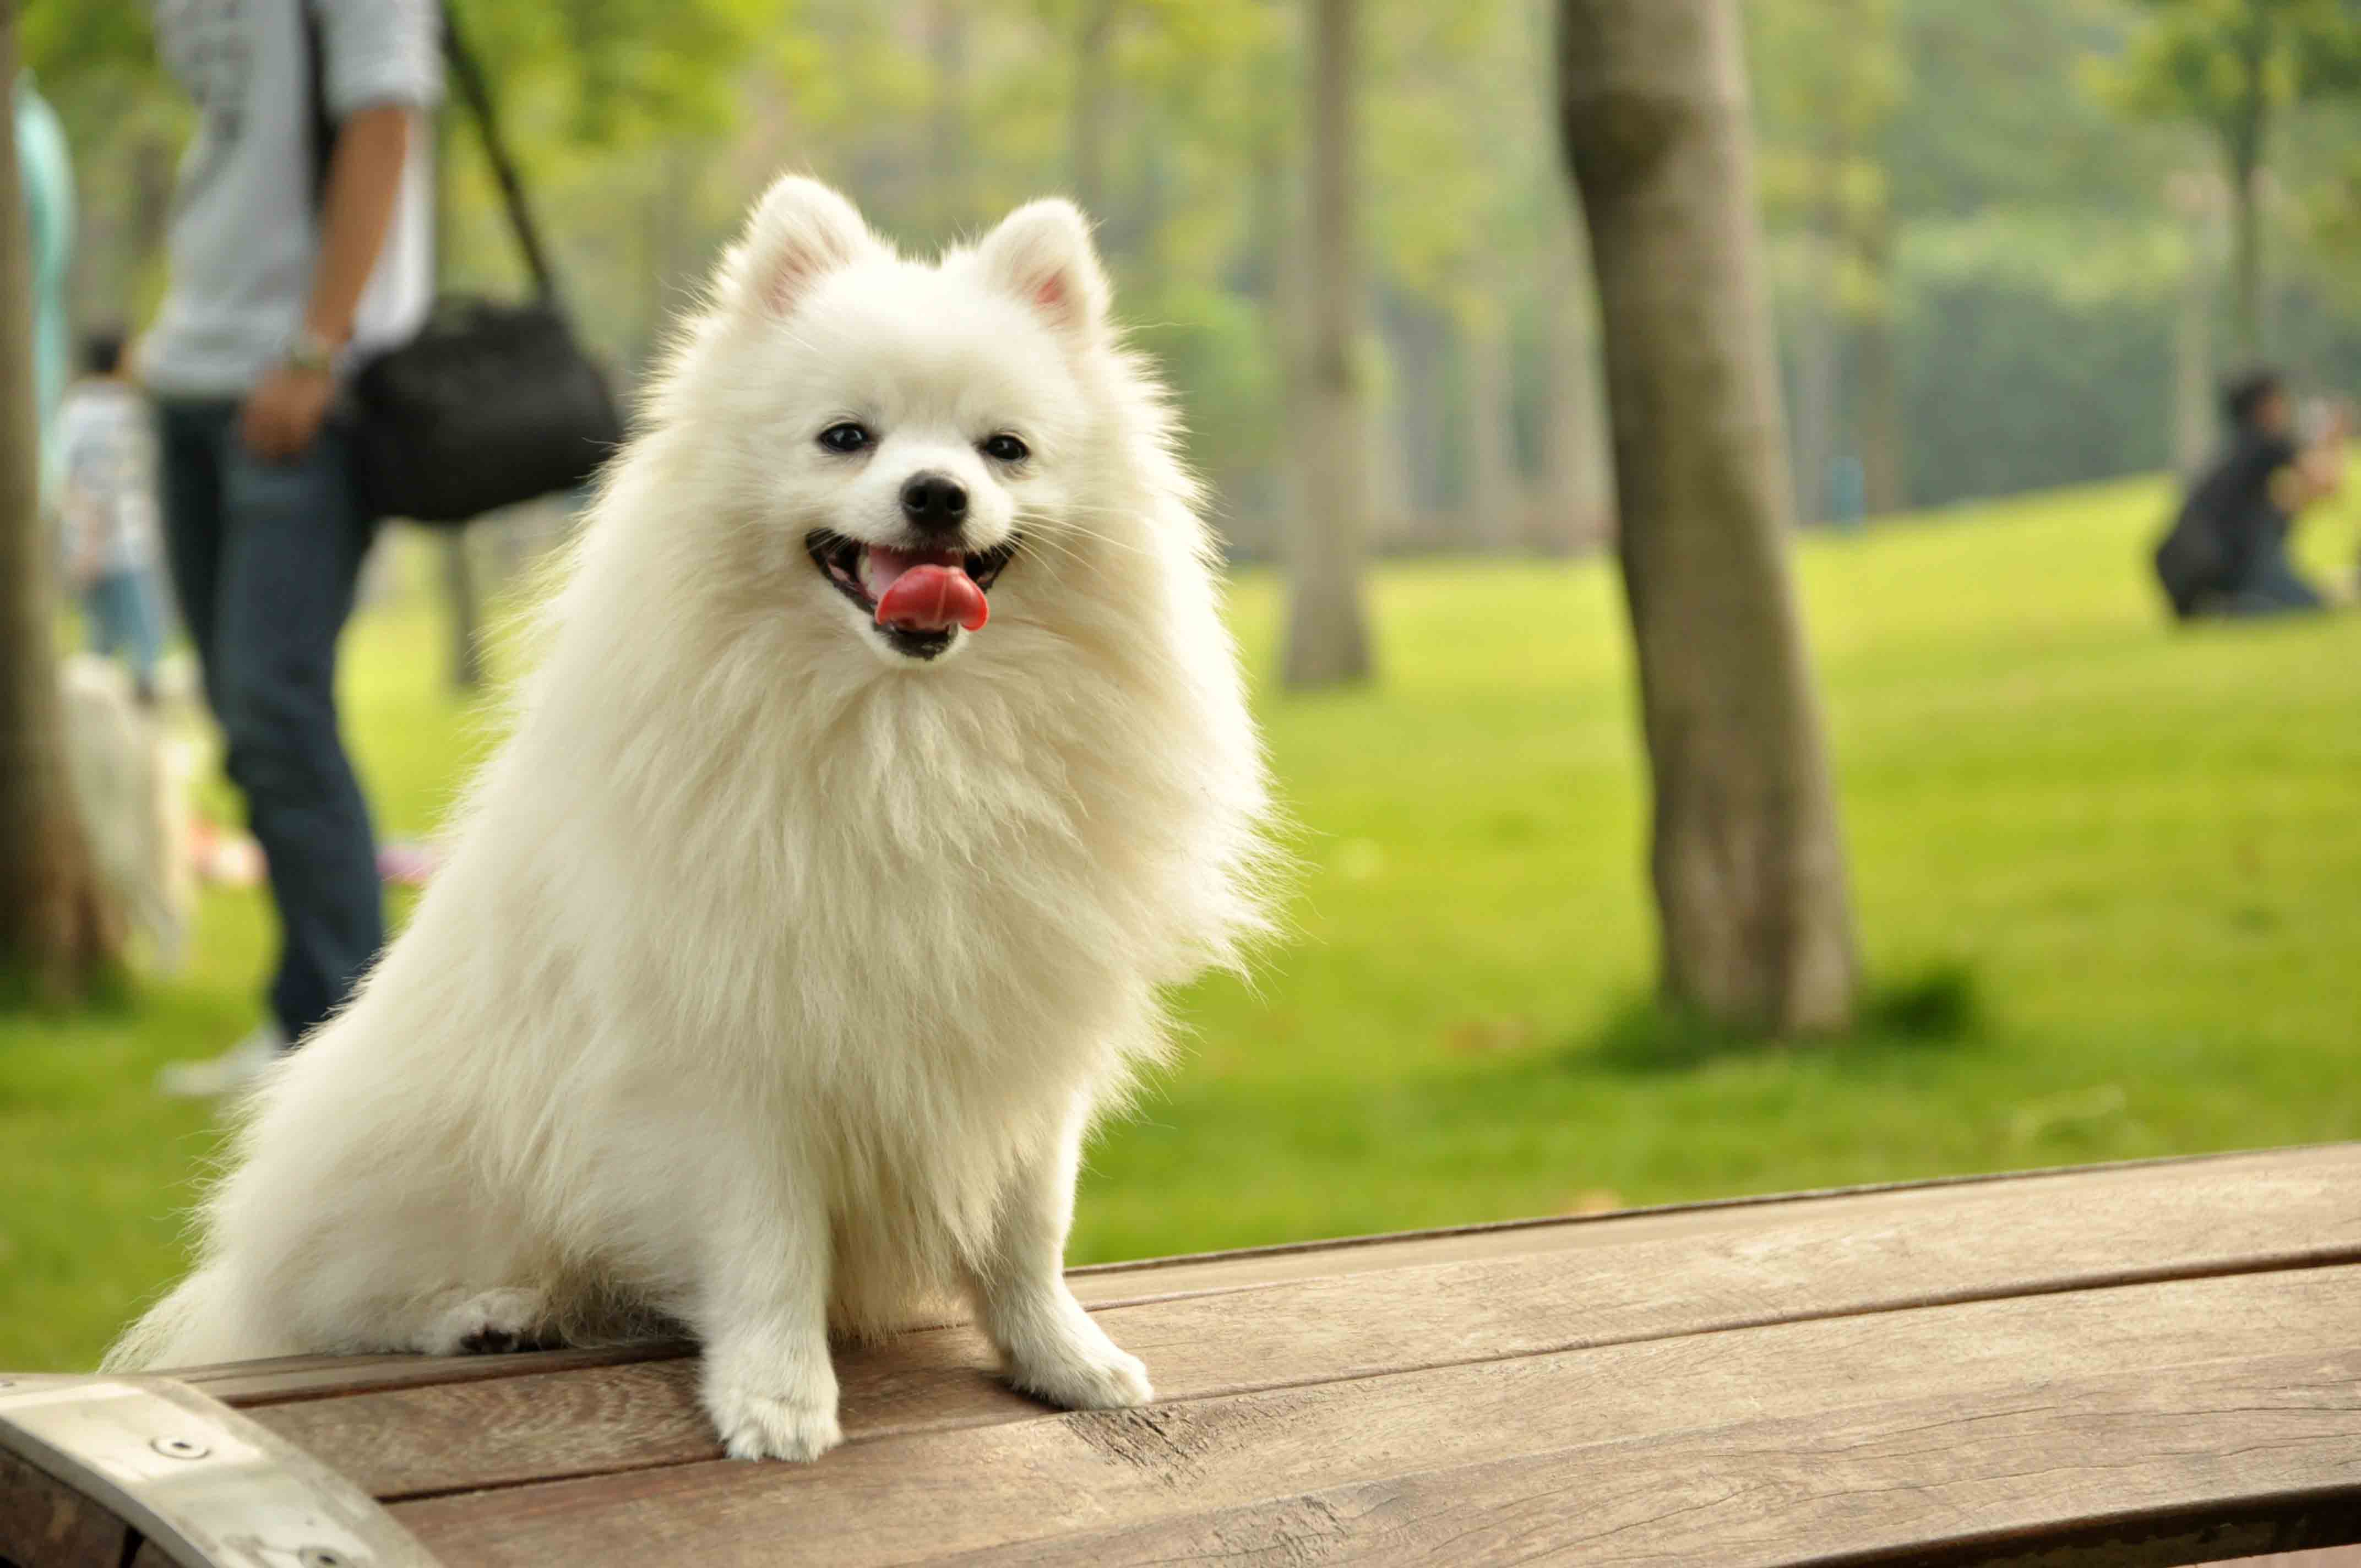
column 774, row 978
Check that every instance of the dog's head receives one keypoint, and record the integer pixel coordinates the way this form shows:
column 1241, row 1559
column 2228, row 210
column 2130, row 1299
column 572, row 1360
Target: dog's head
column 905, row 441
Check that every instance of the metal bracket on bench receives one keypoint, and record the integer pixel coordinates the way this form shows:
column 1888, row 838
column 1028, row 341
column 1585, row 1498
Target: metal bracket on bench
column 209, row 1488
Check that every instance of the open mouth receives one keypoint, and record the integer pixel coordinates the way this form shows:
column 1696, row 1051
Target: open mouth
column 917, row 598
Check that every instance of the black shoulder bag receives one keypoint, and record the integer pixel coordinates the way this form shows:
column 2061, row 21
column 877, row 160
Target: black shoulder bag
column 492, row 402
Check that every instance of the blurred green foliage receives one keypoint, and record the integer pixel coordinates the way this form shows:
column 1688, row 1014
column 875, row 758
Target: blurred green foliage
column 2106, row 873
column 1997, row 218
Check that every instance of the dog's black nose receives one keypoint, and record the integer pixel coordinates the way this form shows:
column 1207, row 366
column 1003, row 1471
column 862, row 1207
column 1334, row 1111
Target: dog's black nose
column 935, row 502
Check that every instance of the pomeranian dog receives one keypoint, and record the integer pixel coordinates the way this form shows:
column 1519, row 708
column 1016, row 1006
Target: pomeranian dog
column 885, row 757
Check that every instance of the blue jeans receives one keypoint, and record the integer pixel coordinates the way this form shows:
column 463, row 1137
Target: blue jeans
column 265, row 557
column 2271, row 587
column 122, row 610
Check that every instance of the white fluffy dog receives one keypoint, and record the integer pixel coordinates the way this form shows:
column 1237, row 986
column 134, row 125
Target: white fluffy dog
column 788, row 948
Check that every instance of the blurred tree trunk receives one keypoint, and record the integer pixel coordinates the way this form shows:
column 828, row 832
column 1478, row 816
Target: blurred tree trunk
column 1491, row 424
column 2192, row 373
column 2246, row 266
column 1747, row 859
column 1087, row 131
column 1877, row 384
column 2247, row 135
column 2192, row 195
column 1327, row 636
column 59, row 931
column 947, row 194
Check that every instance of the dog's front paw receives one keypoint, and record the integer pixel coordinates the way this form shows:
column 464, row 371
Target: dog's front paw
column 773, row 1423
column 1081, row 1372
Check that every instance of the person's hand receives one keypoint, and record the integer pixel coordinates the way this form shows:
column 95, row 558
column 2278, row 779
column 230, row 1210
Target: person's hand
column 283, row 414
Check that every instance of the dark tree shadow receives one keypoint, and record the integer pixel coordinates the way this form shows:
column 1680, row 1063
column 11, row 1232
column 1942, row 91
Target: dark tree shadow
column 1647, row 1036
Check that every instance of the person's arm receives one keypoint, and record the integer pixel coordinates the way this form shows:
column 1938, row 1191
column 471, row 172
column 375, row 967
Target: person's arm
column 364, row 181
column 2311, row 473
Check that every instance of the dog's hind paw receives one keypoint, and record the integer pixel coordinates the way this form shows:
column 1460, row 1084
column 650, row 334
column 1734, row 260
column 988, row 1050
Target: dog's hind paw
column 492, row 1322
column 773, row 1426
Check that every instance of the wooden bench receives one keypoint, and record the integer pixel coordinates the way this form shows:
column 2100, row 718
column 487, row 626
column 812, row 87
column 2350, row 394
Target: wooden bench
column 2147, row 1364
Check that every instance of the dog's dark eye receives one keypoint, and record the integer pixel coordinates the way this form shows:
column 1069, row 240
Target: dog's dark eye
column 1006, row 448
column 845, row 437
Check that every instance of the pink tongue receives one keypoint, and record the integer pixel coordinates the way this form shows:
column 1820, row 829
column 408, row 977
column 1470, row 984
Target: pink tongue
column 933, row 598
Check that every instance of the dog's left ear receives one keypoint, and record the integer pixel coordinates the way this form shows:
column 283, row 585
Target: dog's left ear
column 1042, row 253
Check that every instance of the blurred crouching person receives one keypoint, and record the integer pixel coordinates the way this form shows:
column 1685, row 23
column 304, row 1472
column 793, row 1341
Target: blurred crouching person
column 2227, row 555
column 299, row 238
column 107, row 510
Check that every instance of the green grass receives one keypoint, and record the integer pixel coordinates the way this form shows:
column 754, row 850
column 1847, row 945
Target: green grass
column 2109, row 878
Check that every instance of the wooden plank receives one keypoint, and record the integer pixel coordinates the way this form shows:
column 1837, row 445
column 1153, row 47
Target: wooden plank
column 1781, row 1443
column 46, row 1524
column 2127, row 1470
column 2333, row 1164
column 1817, row 1260
column 242, row 1385
column 2309, row 1180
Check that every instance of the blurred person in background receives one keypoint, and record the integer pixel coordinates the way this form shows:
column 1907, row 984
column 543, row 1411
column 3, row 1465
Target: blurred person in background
column 291, row 251
column 106, row 505
column 2228, row 553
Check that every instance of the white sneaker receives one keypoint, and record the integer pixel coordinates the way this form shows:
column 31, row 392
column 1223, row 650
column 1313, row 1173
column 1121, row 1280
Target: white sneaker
column 227, row 1073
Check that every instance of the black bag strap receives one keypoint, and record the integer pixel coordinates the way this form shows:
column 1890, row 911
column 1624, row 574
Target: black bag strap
column 475, row 90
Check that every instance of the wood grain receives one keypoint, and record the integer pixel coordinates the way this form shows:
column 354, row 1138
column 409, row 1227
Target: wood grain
column 1824, row 1259
column 2313, row 1180
column 2126, row 1469
column 44, row 1524
column 1974, row 1424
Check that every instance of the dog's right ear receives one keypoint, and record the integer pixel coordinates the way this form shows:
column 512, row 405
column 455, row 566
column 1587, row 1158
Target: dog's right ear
column 801, row 232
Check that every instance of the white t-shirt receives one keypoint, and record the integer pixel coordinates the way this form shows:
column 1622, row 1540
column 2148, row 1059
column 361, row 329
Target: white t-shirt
column 245, row 233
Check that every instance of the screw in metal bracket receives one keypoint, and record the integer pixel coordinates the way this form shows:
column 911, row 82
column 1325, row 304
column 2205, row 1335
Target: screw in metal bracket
column 180, row 1448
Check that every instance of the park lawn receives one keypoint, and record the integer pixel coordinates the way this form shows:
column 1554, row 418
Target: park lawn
column 2108, row 878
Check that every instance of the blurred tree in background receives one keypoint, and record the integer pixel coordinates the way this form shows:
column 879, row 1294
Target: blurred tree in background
column 59, row 933
column 2236, row 68
column 1982, row 277
column 1327, row 626
column 1833, row 77
column 1754, row 906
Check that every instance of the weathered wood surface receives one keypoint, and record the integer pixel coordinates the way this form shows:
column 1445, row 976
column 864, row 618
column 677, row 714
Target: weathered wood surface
column 2149, row 1364
column 1761, row 1445
column 45, row 1523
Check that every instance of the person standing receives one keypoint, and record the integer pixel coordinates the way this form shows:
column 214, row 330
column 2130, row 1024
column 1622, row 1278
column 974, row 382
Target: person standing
column 287, row 258
column 107, row 504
